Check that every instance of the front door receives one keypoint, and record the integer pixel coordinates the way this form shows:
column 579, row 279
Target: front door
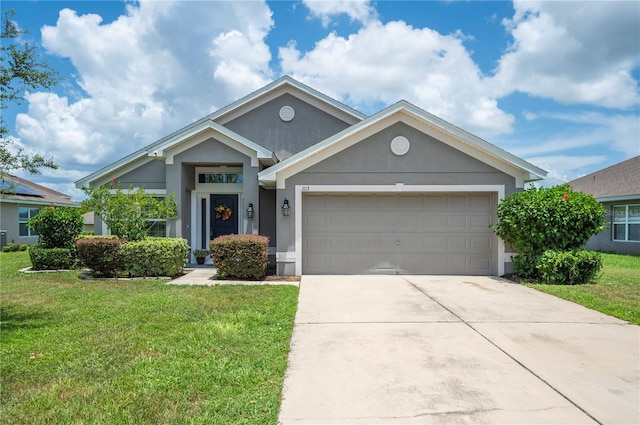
column 224, row 215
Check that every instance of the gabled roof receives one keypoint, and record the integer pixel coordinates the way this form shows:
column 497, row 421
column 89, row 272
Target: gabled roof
column 291, row 86
column 216, row 120
column 22, row 191
column 416, row 117
column 617, row 182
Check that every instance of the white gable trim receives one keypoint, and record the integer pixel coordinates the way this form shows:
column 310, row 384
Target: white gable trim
column 403, row 111
column 287, row 85
column 206, row 130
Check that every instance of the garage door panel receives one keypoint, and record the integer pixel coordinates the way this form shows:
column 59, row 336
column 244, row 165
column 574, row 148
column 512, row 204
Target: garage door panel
column 398, row 233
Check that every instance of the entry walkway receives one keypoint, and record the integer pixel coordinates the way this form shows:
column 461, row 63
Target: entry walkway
column 465, row 350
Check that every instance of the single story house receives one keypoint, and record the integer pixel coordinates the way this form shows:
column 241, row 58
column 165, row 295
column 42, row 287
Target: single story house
column 618, row 189
column 336, row 191
column 21, row 199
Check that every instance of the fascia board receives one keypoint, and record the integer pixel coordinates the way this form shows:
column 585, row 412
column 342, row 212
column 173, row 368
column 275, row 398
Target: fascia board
column 619, row 198
column 118, row 166
column 44, row 203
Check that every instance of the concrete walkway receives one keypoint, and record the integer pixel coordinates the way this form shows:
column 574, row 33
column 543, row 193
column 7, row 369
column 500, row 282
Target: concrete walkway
column 455, row 350
column 206, row 276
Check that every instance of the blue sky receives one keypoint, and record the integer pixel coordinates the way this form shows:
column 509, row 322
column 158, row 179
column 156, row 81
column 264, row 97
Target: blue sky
column 555, row 83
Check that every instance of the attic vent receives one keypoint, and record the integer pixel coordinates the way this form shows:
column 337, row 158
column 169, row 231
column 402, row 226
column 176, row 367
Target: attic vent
column 287, row 113
column 400, row 145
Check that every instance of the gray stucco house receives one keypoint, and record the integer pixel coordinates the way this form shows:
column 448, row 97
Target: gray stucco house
column 337, row 192
column 618, row 189
column 21, row 199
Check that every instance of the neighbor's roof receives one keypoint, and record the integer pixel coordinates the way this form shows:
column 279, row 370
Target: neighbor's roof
column 22, row 191
column 617, row 182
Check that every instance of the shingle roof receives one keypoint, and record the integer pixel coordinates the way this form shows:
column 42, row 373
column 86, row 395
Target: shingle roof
column 621, row 180
column 33, row 193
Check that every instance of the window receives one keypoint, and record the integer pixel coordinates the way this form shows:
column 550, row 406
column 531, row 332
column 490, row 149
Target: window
column 158, row 228
column 220, row 178
column 24, row 214
column 626, row 223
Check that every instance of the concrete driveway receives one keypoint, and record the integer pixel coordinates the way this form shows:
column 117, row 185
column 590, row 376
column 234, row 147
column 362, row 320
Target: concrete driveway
column 455, row 350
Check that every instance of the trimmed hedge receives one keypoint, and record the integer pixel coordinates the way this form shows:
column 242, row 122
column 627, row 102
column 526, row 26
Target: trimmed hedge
column 570, row 267
column 51, row 258
column 240, row 256
column 57, row 227
column 102, row 255
column 14, row 247
column 155, row 257
column 112, row 257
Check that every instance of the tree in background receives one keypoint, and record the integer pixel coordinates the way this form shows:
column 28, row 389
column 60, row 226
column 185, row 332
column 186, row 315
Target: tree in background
column 21, row 69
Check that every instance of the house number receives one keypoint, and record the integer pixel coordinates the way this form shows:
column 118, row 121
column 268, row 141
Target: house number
column 305, row 188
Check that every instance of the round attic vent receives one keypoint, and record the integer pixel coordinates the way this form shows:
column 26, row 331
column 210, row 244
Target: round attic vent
column 400, row 145
column 287, row 113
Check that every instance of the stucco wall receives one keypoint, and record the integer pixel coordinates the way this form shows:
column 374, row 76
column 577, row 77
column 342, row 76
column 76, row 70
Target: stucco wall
column 371, row 162
column 150, row 175
column 9, row 222
column 264, row 126
column 604, row 241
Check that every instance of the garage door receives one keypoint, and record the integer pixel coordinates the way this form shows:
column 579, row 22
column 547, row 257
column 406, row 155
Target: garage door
column 434, row 233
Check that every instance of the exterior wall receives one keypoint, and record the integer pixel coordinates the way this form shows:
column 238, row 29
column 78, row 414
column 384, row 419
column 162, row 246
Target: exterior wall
column 264, row 126
column 371, row 162
column 181, row 180
column 604, row 241
column 151, row 175
column 9, row 223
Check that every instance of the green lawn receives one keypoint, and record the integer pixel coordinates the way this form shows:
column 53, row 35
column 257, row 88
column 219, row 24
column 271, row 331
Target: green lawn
column 615, row 292
column 139, row 352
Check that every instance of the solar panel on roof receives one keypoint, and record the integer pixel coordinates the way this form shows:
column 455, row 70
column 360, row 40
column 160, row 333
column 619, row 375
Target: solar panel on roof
column 18, row 189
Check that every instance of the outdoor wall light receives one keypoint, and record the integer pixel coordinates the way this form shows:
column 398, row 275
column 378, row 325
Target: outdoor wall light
column 250, row 211
column 285, row 208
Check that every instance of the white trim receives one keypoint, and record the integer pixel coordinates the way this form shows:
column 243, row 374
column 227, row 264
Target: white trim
column 134, row 189
column 397, row 188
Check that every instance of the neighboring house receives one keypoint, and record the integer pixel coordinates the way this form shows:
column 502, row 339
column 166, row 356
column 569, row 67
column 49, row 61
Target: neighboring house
column 336, row 191
column 19, row 201
column 88, row 219
column 618, row 189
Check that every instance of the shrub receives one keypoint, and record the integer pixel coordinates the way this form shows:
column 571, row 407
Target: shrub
column 570, row 267
column 102, row 255
column 57, row 227
column 155, row 257
column 51, row 258
column 24, row 247
column 11, row 247
column 240, row 256
column 540, row 219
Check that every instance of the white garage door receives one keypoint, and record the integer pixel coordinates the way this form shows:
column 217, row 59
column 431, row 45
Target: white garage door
column 432, row 233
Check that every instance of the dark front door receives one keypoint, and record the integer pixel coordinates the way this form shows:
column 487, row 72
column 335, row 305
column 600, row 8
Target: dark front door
column 224, row 215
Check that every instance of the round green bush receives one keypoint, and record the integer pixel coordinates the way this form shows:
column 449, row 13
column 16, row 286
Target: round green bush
column 540, row 219
column 57, row 227
column 570, row 267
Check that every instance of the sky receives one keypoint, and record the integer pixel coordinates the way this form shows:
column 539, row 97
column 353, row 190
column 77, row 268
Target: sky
column 555, row 83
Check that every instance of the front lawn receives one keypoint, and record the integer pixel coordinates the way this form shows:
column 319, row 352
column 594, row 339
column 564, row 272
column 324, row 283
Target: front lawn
column 141, row 351
column 615, row 292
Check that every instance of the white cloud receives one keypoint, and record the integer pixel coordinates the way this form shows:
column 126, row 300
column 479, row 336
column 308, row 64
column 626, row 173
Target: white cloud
column 357, row 10
column 381, row 64
column 144, row 75
column 573, row 52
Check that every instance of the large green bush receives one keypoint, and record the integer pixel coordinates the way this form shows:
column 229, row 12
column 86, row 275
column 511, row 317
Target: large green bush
column 57, row 227
column 240, row 256
column 541, row 219
column 155, row 257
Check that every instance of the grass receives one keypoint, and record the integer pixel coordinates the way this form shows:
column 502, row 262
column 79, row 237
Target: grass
column 615, row 292
column 143, row 352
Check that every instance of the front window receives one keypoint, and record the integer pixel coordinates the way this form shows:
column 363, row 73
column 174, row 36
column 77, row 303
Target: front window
column 24, row 214
column 626, row 223
column 158, row 228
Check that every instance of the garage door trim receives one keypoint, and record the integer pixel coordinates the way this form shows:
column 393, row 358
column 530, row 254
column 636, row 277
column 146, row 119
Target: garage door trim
column 397, row 188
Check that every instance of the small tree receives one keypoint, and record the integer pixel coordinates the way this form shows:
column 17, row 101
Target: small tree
column 541, row 219
column 131, row 214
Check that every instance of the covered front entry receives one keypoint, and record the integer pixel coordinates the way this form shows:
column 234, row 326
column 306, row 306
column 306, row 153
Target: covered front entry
column 407, row 233
column 223, row 215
